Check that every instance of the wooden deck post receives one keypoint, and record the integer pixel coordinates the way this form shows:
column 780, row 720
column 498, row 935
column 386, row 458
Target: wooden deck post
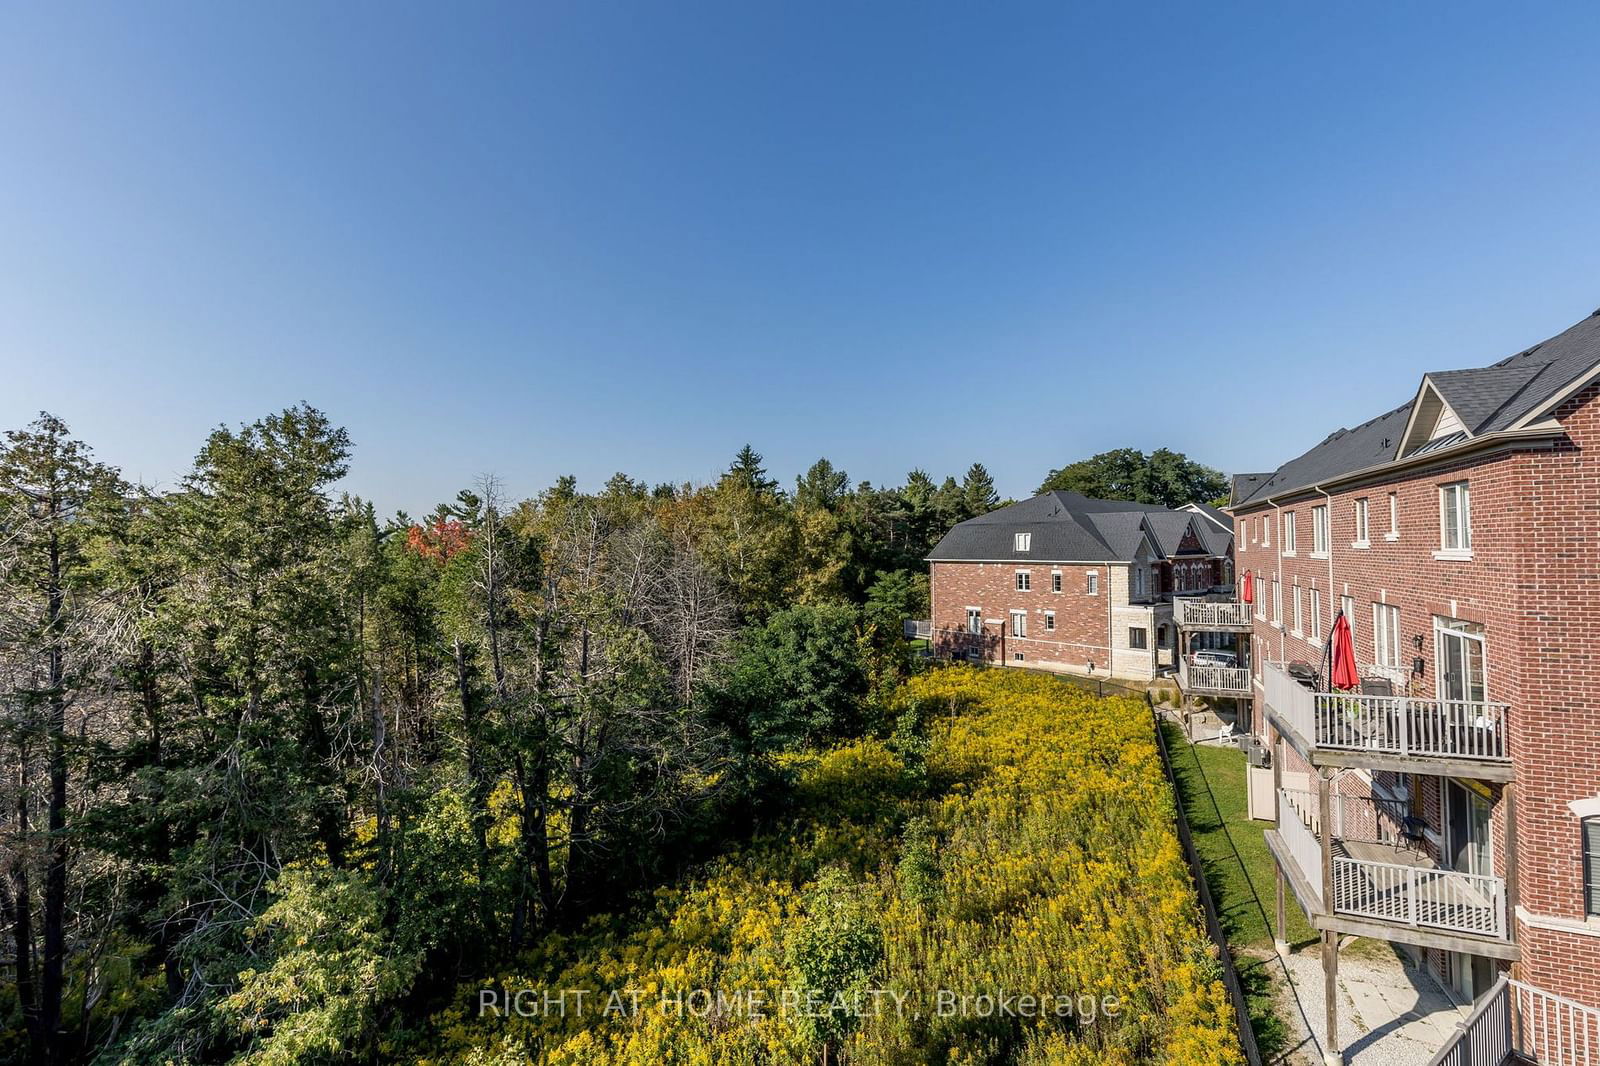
column 1280, row 939
column 1330, row 991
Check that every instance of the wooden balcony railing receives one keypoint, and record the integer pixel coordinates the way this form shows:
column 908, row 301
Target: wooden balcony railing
column 1210, row 614
column 1393, row 725
column 1413, row 892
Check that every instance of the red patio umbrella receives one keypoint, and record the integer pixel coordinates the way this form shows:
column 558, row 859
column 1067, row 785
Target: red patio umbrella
column 1248, row 593
column 1343, row 673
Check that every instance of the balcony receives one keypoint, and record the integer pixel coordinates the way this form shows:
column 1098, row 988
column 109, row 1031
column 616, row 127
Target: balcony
column 1214, row 615
column 1518, row 1022
column 1402, row 733
column 1212, row 680
column 1381, row 888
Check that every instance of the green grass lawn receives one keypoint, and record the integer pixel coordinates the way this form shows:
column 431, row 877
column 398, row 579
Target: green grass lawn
column 1238, row 869
column 1232, row 847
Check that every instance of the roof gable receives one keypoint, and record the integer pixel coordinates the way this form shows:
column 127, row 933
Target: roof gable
column 1432, row 419
column 1450, row 407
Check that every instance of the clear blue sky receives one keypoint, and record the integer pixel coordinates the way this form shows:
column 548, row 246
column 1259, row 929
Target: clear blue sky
column 579, row 238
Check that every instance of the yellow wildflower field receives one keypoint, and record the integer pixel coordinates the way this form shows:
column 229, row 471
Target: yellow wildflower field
column 1045, row 917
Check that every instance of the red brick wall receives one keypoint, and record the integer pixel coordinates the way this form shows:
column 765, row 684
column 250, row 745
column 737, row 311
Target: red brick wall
column 1080, row 635
column 1534, row 584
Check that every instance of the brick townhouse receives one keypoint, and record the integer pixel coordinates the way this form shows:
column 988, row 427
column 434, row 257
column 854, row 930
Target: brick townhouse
column 1452, row 802
column 1066, row 582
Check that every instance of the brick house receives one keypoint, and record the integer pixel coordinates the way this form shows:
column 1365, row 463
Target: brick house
column 1066, row 582
column 1452, row 804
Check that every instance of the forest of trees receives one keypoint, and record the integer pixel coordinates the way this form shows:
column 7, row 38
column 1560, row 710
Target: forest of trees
column 268, row 756
column 1164, row 476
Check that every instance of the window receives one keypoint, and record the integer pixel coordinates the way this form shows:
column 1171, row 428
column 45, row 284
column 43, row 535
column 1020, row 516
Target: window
column 1022, row 541
column 1024, row 579
column 1394, row 517
column 1348, row 606
column 1316, row 617
column 1266, row 531
column 1455, row 521
column 1277, row 603
column 1298, row 613
column 1092, row 587
column 1288, row 532
column 1019, row 623
column 1319, row 530
column 1261, row 597
column 974, row 619
column 1055, row 581
column 1361, row 523
column 1386, row 633
column 1050, row 620
column 1138, row 637
column 1591, row 866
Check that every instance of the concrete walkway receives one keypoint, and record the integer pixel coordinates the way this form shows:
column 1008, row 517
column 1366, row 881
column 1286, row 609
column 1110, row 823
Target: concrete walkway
column 1391, row 1012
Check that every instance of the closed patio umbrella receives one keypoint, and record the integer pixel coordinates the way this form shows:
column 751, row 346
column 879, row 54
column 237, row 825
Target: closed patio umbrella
column 1248, row 589
column 1343, row 672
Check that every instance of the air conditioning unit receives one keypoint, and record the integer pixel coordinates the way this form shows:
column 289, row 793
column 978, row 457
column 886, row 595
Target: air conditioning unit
column 1258, row 754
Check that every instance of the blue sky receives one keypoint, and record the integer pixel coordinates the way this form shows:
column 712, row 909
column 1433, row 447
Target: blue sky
column 577, row 238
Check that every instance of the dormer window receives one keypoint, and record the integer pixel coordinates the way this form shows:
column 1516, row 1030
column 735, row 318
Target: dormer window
column 1022, row 541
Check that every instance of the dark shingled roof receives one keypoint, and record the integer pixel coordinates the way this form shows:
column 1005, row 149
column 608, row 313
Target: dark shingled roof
column 1486, row 400
column 1070, row 527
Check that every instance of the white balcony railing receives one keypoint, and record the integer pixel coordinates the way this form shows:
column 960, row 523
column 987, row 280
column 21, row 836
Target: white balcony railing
column 1203, row 614
column 1416, row 894
column 1421, row 896
column 1397, row 725
column 1224, row 680
column 1552, row 1030
column 1295, row 821
column 1538, row 1026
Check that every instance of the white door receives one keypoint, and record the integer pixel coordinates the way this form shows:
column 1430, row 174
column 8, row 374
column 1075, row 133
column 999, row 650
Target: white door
column 1461, row 663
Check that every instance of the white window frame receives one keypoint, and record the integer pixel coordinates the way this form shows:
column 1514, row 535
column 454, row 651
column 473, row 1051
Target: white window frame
column 974, row 620
column 1266, row 531
column 1363, row 515
column 1386, row 634
column 1461, row 530
column 1092, row 583
column 1319, row 531
column 1394, row 517
column 1050, row 621
column 1299, row 614
column 1022, row 542
column 1261, row 597
column 1019, row 624
column 1588, row 829
column 1288, row 533
column 1315, row 634
column 1024, row 581
column 1277, row 603
column 1055, row 581
column 1347, row 604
